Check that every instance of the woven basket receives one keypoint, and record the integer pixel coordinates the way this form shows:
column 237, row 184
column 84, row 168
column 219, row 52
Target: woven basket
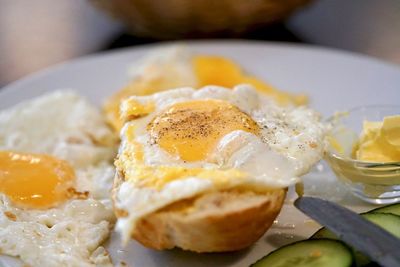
column 196, row 18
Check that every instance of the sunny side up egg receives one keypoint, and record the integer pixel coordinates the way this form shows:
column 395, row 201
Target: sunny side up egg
column 180, row 143
column 177, row 66
column 56, row 171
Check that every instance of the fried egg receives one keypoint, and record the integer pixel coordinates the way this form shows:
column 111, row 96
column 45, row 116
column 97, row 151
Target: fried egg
column 56, row 171
column 177, row 66
column 180, row 143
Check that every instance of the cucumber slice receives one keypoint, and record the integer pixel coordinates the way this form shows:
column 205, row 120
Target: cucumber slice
column 393, row 209
column 323, row 233
column 387, row 221
column 309, row 253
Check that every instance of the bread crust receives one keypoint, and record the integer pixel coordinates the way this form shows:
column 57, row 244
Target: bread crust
column 212, row 222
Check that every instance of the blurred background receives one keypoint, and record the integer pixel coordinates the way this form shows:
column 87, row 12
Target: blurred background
column 37, row 34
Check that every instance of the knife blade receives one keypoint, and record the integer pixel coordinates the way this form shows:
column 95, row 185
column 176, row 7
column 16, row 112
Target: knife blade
column 368, row 238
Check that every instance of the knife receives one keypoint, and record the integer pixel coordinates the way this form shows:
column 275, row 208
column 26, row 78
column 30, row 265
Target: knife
column 368, row 238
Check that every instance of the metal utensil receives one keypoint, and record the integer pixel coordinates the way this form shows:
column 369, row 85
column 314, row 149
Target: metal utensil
column 368, row 238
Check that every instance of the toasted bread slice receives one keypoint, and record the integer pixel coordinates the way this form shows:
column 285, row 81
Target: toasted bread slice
column 212, row 222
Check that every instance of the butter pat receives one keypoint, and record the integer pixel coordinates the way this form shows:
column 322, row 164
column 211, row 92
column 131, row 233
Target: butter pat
column 379, row 141
column 391, row 130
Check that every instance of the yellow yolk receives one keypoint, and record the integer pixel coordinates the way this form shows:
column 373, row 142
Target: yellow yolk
column 158, row 176
column 215, row 70
column 134, row 152
column 138, row 87
column 136, row 110
column 130, row 163
column 192, row 129
column 34, row 180
column 380, row 141
column 208, row 70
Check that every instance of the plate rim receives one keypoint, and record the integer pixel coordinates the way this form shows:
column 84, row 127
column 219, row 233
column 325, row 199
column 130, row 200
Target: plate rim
column 217, row 42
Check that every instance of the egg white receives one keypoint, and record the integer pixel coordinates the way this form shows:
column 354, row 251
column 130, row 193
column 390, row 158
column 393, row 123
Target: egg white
column 285, row 130
column 291, row 142
column 172, row 64
column 66, row 126
column 62, row 124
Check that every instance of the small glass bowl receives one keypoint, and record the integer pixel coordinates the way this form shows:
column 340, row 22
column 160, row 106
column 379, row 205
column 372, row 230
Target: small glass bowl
column 374, row 182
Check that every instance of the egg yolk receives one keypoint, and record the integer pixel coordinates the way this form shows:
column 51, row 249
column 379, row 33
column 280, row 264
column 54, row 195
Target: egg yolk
column 208, row 70
column 132, row 109
column 140, row 87
column 216, row 70
column 35, row 180
column 192, row 129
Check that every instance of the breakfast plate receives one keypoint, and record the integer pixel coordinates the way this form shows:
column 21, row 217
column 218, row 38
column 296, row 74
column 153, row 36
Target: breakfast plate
column 333, row 80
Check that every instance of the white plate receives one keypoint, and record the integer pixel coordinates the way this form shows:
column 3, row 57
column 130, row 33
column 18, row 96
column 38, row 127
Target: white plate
column 334, row 81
